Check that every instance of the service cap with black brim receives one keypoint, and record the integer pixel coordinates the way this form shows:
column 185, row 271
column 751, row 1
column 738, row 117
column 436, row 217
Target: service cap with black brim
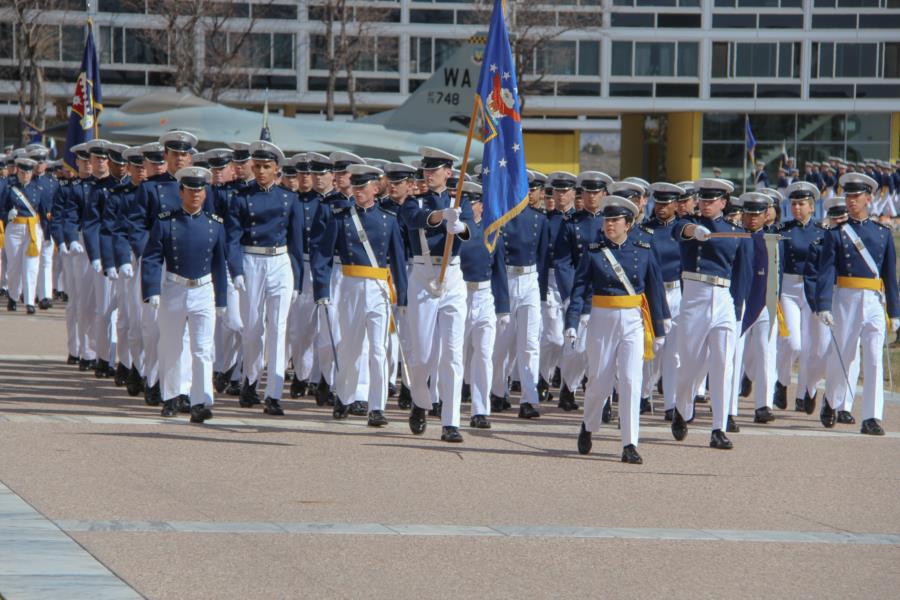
column 593, row 181
column 241, row 151
column 754, row 203
column 38, row 154
column 193, row 177
column 397, row 172
column 453, row 180
column 200, row 160
column 288, row 170
column 376, row 162
column 219, row 158
column 689, row 191
column 154, row 152
column 857, row 183
column 536, row 180
column 116, row 155
column 612, row 207
column 626, row 189
column 23, row 163
column 319, row 163
column 712, row 188
column 835, row 206
column 645, row 185
column 134, row 156
column 342, row 160
column 434, row 158
column 666, row 193
column 262, row 150
column 301, row 163
column 562, row 180
column 802, row 191
column 99, row 148
column 420, row 172
column 473, row 190
column 80, row 151
column 361, row 174
column 178, row 141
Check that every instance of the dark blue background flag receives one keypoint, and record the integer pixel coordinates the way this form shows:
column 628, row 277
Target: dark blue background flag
column 87, row 102
column 756, row 300
column 751, row 141
column 504, row 179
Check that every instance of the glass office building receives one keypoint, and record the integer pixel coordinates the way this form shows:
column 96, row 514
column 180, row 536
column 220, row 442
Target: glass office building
column 674, row 78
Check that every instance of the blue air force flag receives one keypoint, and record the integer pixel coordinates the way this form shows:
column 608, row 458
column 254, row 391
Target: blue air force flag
column 504, row 179
column 87, row 102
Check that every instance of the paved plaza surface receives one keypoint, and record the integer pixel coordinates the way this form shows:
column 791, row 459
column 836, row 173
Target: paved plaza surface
column 101, row 498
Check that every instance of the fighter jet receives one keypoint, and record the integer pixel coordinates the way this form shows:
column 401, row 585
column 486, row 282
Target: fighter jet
column 434, row 115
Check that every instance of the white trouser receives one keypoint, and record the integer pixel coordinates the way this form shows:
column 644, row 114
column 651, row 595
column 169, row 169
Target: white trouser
column 573, row 363
column 853, row 374
column 303, row 328
column 859, row 320
column 264, row 311
column 737, row 369
column 520, row 339
column 3, row 261
column 478, row 344
column 133, row 304
column 150, row 338
column 81, row 299
column 104, row 317
column 228, row 335
column 708, row 321
column 364, row 311
column 653, row 368
column 808, row 340
column 59, row 279
column 759, row 358
column 436, row 331
column 670, row 360
column 72, row 335
column 329, row 331
column 552, row 331
column 22, row 270
column 615, row 350
column 45, row 272
column 193, row 310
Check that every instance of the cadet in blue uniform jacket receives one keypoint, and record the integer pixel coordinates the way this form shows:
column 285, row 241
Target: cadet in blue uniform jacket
column 619, row 277
column 190, row 243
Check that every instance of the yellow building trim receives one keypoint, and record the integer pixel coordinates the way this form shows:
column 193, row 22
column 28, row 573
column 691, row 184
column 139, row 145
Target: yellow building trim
column 895, row 137
column 632, row 153
column 549, row 151
column 683, row 146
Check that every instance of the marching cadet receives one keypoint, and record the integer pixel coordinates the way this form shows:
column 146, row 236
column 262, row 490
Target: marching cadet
column 109, row 217
column 289, row 176
column 23, row 204
column 619, row 278
column 804, row 330
column 190, row 243
column 487, row 302
column 760, row 177
column 708, row 308
column 668, row 255
column 240, row 161
column 38, row 153
column 265, row 258
column 367, row 238
column 643, row 197
column 525, row 239
column 436, row 313
column 858, row 258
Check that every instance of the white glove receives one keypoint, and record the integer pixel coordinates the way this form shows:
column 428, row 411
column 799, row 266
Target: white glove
column 153, row 301
column 323, row 301
column 127, row 271
column 895, row 324
column 583, row 320
column 112, row 273
column 76, row 247
column 294, row 295
column 503, row 319
column 571, row 336
column 667, row 326
column 455, row 227
column 12, row 215
column 47, row 243
column 220, row 311
column 63, row 249
column 239, row 284
column 826, row 317
column 701, row 233
column 451, row 215
column 96, row 265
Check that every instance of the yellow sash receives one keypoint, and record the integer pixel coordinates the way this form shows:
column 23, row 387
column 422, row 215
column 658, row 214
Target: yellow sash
column 2, row 236
column 31, row 223
column 635, row 301
column 782, row 324
column 876, row 284
column 380, row 273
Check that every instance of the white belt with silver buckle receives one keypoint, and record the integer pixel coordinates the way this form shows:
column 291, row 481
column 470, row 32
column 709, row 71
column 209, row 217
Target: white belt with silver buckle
column 524, row 270
column 266, row 251
column 793, row 277
column 434, row 260
column 710, row 279
column 188, row 283
column 478, row 285
column 671, row 285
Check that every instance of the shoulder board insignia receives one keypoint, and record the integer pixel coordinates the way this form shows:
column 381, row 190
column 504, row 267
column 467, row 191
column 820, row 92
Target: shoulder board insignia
column 642, row 244
column 595, row 246
column 393, row 213
column 164, row 215
column 882, row 225
column 643, row 227
column 337, row 210
column 215, row 217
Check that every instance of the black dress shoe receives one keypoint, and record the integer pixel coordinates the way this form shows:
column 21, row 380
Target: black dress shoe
column 273, row 407
column 630, row 455
column 233, row 389
column 377, row 419
column 799, row 404
column 220, row 382
column 121, row 376
column 763, row 415
column 249, row 397
column 515, row 387
column 153, row 395
column 779, row 397
column 556, row 380
column 845, row 418
column 359, row 408
column 606, row 413
column 567, row 399
column 584, row 441
column 404, row 398
column 480, row 422
column 436, row 409
column 184, row 403
column 340, row 410
column 72, row 360
column 528, row 411
column 298, row 387
column 718, row 441
column 645, row 405
column 746, row 387
column 465, row 395
column 731, row 425
column 659, row 386
column 101, row 370
column 543, row 390
column 323, row 392
column 669, row 413
column 810, row 404
column 418, row 420
column 3, row 292
column 451, row 434
column 698, row 399
column 29, row 309
column 506, row 404
column 200, row 413
column 679, row 426
column 11, row 305
column 134, row 383
column 497, row 404
column 86, row 365
column 826, row 415
column 871, row 427
column 43, row 304
column 169, row 409
column 392, row 390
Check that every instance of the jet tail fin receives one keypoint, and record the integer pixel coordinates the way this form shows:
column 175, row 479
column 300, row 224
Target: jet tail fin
column 444, row 101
